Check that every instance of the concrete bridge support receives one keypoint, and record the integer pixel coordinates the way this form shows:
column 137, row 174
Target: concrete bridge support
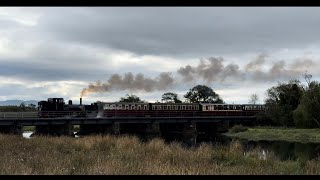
column 116, row 129
column 87, row 129
column 207, row 131
column 189, row 133
column 153, row 128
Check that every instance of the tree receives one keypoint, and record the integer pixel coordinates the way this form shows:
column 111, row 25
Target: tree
column 307, row 77
column 202, row 93
column 254, row 99
column 282, row 100
column 130, row 98
column 307, row 114
column 170, row 97
column 31, row 106
column 22, row 106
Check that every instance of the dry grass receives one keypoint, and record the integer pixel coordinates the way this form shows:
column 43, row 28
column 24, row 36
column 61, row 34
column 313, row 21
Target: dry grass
column 127, row 155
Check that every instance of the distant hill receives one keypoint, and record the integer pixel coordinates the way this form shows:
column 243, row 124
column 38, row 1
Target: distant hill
column 17, row 102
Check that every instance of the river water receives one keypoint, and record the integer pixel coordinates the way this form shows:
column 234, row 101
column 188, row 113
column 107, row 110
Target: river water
column 283, row 150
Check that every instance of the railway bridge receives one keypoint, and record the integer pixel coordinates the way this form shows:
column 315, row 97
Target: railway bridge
column 12, row 122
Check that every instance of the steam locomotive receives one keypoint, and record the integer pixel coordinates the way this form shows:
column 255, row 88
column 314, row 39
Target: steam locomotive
column 56, row 107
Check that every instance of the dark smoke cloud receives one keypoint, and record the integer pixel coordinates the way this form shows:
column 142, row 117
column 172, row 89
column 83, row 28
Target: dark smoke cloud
column 279, row 70
column 131, row 82
column 211, row 69
column 256, row 64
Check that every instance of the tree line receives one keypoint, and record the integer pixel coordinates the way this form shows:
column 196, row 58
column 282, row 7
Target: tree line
column 293, row 104
column 21, row 107
column 199, row 93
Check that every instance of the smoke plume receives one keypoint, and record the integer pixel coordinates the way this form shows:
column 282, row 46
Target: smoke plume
column 211, row 69
column 131, row 82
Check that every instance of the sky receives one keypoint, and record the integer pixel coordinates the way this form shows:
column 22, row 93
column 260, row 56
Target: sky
column 104, row 53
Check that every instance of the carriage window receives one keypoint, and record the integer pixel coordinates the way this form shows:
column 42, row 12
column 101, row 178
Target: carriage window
column 133, row 107
column 169, row 107
column 183, row 107
column 139, row 107
column 126, row 107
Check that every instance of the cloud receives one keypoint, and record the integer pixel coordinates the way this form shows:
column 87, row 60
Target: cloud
column 56, row 45
column 185, row 32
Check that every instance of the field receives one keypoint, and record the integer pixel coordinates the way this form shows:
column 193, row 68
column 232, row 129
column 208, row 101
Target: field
column 127, row 155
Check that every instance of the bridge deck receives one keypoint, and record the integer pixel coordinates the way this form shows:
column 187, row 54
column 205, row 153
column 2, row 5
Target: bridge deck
column 31, row 118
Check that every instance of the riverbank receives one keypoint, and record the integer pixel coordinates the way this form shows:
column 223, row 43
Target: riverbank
column 279, row 134
column 127, row 155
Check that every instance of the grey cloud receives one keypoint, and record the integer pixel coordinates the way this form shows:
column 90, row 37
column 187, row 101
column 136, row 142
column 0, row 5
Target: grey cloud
column 39, row 72
column 181, row 31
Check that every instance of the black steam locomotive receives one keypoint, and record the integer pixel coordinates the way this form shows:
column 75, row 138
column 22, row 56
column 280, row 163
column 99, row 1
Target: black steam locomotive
column 56, row 107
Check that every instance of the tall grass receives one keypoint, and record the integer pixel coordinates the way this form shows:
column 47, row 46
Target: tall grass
column 127, row 155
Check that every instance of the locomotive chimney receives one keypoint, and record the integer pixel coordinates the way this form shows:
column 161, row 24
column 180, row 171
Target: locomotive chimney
column 70, row 102
column 80, row 101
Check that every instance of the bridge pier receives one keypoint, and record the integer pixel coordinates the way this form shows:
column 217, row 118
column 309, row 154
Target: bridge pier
column 189, row 134
column 54, row 130
column 153, row 128
column 86, row 129
column 223, row 126
column 116, row 129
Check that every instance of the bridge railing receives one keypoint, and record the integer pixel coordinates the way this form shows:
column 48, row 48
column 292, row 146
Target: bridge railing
column 116, row 113
column 20, row 115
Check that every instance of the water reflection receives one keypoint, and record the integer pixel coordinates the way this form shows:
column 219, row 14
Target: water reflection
column 283, row 150
column 28, row 134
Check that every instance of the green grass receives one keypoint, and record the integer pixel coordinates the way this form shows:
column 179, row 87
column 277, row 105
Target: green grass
column 127, row 155
column 76, row 128
column 279, row 134
column 28, row 128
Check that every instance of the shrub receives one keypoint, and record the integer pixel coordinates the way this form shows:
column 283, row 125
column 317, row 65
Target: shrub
column 238, row 128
